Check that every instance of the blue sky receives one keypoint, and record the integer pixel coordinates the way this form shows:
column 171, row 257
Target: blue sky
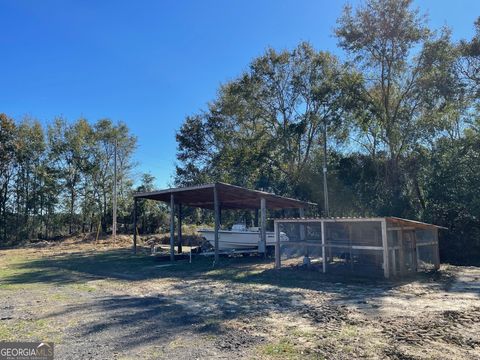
column 151, row 63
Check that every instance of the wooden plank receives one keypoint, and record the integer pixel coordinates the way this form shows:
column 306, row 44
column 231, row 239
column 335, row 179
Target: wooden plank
column 277, row 246
column 386, row 269
column 401, row 253
column 350, row 236
column 415, row 255
column 312, row 243
column 436, row 250
column 172, row 227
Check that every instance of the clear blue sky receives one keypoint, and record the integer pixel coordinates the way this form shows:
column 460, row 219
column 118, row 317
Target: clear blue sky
column 151, row 63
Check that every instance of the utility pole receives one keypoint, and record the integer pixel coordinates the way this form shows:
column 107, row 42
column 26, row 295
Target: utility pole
column 114, row 225
column 325, row 187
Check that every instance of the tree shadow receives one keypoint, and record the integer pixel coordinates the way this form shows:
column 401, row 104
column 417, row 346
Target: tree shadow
column 121, row 264
column 204, row 297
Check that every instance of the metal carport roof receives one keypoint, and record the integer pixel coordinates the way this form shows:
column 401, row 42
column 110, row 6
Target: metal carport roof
column 229, row 197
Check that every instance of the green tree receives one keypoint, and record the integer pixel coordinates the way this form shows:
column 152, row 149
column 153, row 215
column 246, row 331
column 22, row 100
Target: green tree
column 263, row 127
column 8, row 133
column 412, row 91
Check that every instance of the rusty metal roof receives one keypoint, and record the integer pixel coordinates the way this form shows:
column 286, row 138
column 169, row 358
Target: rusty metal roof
column 230, row 197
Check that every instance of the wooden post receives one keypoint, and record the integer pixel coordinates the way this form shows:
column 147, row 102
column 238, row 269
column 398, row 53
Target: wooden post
column 415, row 249
column 277, row 246
column 301, row 213
column 172, row 227
column 324, row 260
column 401, row 253
column 394, row 263
column 179, row 230
column 350, row 239
column 386, row 271
column 135, row 225
column 263, row 230
column 217, row 220
column 436, row 249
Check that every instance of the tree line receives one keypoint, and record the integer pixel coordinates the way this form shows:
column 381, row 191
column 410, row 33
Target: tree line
column 58, row 179
column 400, row 114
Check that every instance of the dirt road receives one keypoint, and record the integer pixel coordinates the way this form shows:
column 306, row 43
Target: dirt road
column 105, row 303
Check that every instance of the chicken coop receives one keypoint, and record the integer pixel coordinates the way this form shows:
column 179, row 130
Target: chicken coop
column 379, row 247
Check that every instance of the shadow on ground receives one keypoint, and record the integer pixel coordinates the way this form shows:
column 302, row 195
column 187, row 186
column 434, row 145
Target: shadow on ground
column 123, row 265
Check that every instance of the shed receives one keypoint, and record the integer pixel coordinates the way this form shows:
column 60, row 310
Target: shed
column 384, row 246
column 217, row 196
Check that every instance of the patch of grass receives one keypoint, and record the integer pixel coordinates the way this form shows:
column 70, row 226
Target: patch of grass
column 286, row 349
column 82, row 287
column 282, row 349
column 303, row 334
column 37, row 330
column 59, row 297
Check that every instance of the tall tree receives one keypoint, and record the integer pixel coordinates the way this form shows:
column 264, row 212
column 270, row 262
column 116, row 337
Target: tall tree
column 263, row 127
column 410, row 82
column 7, row 167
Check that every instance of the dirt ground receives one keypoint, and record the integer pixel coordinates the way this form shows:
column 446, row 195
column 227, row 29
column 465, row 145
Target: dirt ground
column 98, row 301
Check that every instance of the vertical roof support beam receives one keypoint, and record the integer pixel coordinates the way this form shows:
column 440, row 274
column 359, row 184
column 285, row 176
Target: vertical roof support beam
column 172, row 227
column 216, row 207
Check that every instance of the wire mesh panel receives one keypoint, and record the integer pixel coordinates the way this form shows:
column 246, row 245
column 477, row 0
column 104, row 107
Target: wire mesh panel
column 426, row 249
column 367, row 247
column 354, row 247
column 300, row 243
column 349, row 246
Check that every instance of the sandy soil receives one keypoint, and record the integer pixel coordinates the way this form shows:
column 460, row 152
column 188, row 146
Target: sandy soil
column 97, row 301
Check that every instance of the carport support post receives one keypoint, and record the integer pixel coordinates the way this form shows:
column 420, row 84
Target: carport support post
column 263, row 230
column 172, row 227
column 179, row 230
column 216, row 207
column 135, row 225
column 386, row 271
column 301, row 212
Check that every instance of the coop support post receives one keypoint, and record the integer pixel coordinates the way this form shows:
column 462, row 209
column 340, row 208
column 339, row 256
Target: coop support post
column 401, row 253
column 415, row 249
column 135, row 225
column 172, row 227
column 301, row 212
column 216, row 207
column 277, row 246
column 436, row 249
column 324, row 260
column 385, row 249
column 263, row 230
column 179, row 230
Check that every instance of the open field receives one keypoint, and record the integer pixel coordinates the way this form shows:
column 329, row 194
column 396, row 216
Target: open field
column 99, row 301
